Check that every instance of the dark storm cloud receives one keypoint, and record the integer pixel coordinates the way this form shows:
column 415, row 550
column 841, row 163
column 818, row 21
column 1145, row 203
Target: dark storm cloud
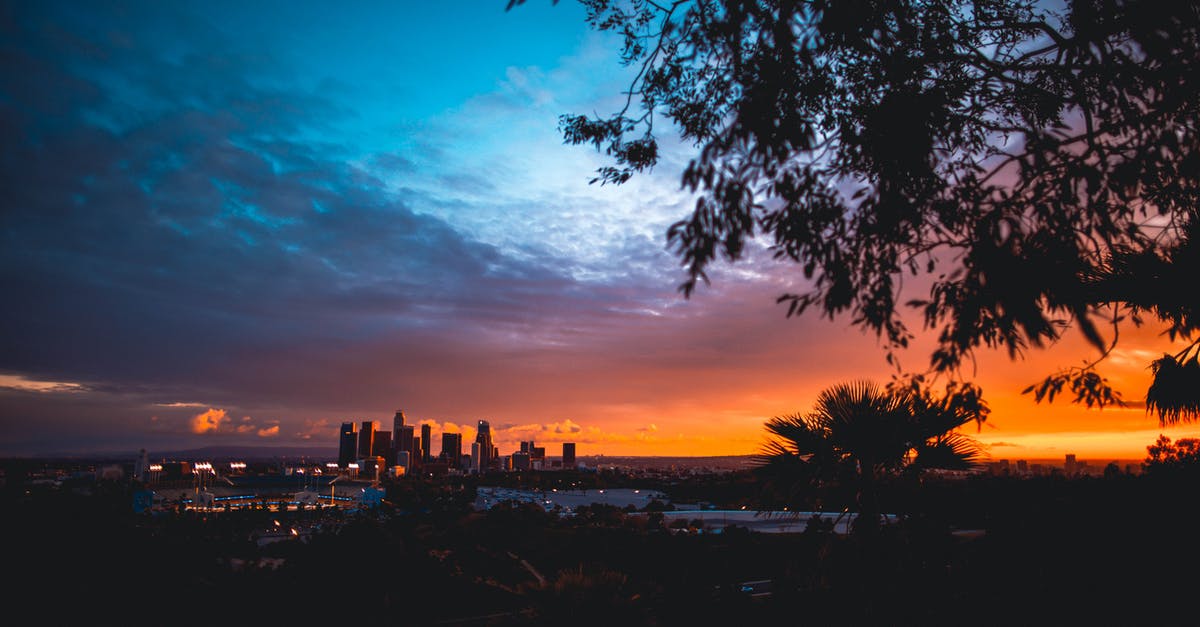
column 170, row 202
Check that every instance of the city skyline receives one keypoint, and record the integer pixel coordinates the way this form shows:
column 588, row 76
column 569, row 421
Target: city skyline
column 225, row 233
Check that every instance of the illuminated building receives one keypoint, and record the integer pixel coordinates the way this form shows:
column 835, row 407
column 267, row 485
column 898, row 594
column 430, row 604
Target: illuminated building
column 372, row 466
column 366, row 438
column 486, row 447
column 347, row 443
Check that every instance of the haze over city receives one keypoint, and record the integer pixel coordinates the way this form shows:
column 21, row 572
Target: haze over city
column 249, row 222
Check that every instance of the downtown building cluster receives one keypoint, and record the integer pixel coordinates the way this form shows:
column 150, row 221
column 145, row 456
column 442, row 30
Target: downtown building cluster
column 408, row 448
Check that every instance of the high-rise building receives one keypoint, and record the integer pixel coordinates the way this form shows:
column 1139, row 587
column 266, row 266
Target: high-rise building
column 404, row 441
column 520, row 460
column 426, row 443
column 383, row 447
column 347, row 444
column 397, row 421
column 141, row 469
column 568, row 455
column 366, row 438
column 452, row 448
column 486, row 447
column 476, row 454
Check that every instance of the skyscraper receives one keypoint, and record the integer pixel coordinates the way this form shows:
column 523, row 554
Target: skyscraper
column 383, row 447
column 486, row 448
column 404, row 442
column 347, row 443
column 366, row 438
column 452, row 448
column 426, row 443
column 397, row 421
column 568, row 455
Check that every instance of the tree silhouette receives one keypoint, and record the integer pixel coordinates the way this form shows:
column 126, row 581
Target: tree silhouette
column 859, row 432
column 1034, row 166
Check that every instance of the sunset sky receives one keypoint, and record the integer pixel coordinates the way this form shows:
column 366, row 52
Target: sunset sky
column 247, row 222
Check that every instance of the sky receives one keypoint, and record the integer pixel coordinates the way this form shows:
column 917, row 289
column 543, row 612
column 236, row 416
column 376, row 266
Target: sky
column 244, row 223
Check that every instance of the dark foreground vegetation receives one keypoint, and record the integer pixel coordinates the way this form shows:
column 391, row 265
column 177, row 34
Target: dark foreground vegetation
column 987, row 550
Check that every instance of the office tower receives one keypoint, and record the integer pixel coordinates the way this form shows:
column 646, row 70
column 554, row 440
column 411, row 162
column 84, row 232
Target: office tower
column 383, row 447
column 537, row 453
column 366, row 438
column 476, row 453
column 486, row 448
column 1069, row 464
column 426, row 443
column 520, row 460
column 141, row 469
column 527, row 447
column 568, row 455
column 404, row 441
column 452, row 448
column 347, row 443
column 397, row 421
column 418, row 451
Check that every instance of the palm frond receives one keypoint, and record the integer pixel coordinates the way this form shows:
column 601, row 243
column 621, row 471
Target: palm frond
column 950, row 451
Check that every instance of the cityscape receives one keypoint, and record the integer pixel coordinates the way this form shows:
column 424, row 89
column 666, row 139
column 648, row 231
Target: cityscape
column 692, row 312
column 403, row 449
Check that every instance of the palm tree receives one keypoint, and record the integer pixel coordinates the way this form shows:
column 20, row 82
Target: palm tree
column 859, row 432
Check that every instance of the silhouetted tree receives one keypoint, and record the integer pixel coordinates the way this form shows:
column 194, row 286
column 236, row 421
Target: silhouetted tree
column 1167, row 458
column 1034, row 164
column 859, row 432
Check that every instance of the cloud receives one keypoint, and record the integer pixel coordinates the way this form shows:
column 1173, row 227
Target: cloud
column 566, row 426
column 317, row 429
column 25, row 384
column 269, row 432
column 209, row 421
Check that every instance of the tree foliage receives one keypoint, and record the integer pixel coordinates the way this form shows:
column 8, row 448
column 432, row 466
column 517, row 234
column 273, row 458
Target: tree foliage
column 858, row 433
column 1030, row 167
column 1168, row 458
